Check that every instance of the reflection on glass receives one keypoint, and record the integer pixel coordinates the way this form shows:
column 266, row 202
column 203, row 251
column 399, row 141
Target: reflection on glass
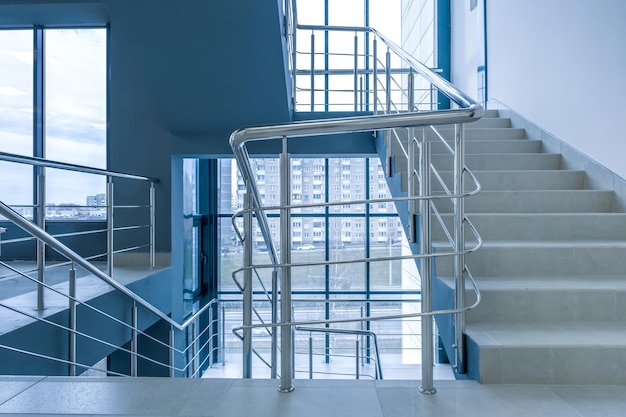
column 75, row 104
column 16, row 115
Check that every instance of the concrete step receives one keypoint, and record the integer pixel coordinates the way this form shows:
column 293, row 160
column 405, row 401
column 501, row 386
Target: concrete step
column 540, row 299
column 478, row 146
column 494, row 162
column 479, row 133
column 549, row 353
column 487, row 121
column 546, row 227
column 514, row 180
column 533, row 259
column 536, row 201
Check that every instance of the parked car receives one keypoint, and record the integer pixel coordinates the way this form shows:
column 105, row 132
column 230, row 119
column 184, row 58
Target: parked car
column 305, row 247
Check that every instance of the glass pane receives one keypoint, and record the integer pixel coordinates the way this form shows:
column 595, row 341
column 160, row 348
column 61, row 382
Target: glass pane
column 346, row 12
column 75, row 103
column 229, row 186
column 16, row 116
column 16, row 91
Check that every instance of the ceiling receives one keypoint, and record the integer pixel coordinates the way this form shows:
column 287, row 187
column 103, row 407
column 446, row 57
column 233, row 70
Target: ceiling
column 210, row 66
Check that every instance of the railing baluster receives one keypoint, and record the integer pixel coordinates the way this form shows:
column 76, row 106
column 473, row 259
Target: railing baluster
column 274, row 359
column 459, row 243
column 134, row 348
column 41, row 246
column 426, row 270
column 356, row 70
column 110, row 225
column 286, row 332
column 247, row 287
column 72, row 314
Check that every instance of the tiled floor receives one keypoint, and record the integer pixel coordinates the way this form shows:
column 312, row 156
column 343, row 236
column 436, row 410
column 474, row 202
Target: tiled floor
column 311, row 398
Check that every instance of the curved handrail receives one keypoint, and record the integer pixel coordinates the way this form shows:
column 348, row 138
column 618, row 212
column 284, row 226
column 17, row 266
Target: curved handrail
column 379, row 369
column 47, row 163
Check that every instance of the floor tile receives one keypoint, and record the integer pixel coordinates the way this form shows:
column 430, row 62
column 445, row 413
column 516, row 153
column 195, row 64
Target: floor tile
column 595, row 401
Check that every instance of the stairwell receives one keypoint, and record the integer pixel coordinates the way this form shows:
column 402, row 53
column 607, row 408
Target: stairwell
column 552, row 269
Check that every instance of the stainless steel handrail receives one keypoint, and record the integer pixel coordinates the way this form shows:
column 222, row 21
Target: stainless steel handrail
column 48, row 163
column 64, row 250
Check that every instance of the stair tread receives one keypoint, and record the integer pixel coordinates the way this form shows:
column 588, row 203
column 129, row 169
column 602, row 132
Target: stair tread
column 566, row 334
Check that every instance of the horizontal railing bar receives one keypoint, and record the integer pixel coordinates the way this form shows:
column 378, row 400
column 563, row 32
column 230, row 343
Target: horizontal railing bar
column 42, row 162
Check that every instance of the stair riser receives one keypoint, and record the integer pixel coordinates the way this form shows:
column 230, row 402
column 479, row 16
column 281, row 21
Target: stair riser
column 546, row 305
column 494, row 146
column 536, row 227
column 492, row 162
column 535, row 202
column 539, row 261
column 515, row 180
column 578, row 365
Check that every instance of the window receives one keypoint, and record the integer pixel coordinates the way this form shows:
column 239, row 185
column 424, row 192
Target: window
column 73, row 103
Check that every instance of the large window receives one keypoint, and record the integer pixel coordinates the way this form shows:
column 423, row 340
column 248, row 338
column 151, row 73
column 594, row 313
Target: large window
column 343, row 232
column 53, row 105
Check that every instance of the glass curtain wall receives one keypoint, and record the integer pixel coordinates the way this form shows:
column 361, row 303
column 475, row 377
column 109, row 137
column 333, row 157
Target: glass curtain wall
column 345, row 232
column 330, row 57
column 53, row 105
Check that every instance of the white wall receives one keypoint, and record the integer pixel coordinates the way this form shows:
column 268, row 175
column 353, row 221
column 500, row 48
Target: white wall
column 561, row 64
column 467, row 46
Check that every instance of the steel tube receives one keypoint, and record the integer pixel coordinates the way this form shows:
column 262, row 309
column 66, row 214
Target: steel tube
column 172, row 351
column 312, row 71
column 356, row 71
column 41, row 246
column 211, row 341
column 412, row 204
column 358, row 359
column 134, row 342
column 247, row 288
column 223, row 334
column 110, row 226
column 72, row 319
column 375, row 74
column 192, row 365
column 426, row 272
column 310, row 356
column 459, row 245
column 388, row 138
column 286, row 341
column 411, row 90
column 274, row 358
column 152, row 225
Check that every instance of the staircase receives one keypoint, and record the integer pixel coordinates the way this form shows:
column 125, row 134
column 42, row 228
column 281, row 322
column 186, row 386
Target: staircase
column 552, row 269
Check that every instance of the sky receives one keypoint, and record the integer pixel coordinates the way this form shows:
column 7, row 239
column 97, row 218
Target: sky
column 75, row 111
column 75, row 96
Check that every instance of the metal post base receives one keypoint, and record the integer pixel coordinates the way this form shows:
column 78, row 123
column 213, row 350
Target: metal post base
column 427, row 391
column 286, row 391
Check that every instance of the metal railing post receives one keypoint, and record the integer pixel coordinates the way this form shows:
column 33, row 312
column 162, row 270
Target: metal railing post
column 41, row 246
column 426, row 271
column 411, row 90
column 459, row 243
column 247, row 286
column 356, row 70
column 110, row 226
column 211, row 341
column 310, row 356
column 72, row 324
column 223, row 334
column 274, row 358
column 134, row 342
column 388, row 165
column 312, row 71
column 172, row 351
column 192, row 362
column 152, row 225
column 388, row 81
column 358, row 359
column 375, row 75
column 411, row 176
column 286, row 340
